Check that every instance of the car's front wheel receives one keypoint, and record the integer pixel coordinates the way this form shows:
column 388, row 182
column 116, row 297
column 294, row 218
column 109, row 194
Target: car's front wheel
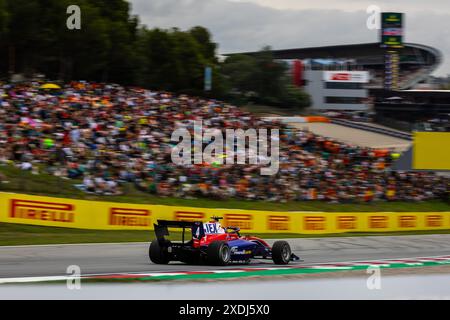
column 218, row 253
column 281, row 252
column 158, row 254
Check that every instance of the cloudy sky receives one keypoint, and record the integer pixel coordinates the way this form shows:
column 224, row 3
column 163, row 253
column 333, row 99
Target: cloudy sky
column 248, row 25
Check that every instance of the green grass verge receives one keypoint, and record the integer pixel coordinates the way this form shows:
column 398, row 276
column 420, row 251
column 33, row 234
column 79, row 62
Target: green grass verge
column 17, row 234
column 47, row 185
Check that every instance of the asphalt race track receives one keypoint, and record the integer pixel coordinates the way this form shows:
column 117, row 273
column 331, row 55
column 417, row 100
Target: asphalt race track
column 53, row 260
column 355, row 136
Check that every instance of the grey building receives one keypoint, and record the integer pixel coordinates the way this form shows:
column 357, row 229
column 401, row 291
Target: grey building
column 337, row 90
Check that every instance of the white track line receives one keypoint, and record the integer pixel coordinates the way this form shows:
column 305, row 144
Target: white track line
column 33, row 279
column 73, row 244
column 327, row 265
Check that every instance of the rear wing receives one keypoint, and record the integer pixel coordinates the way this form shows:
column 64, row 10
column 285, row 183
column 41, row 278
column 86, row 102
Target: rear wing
column 175, row 224
column 162, row 228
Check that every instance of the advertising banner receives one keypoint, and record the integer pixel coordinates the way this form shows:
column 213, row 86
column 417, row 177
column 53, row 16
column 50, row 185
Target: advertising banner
column 346, row 76
column 208, row 79
column 70, row 213
column 392, row 30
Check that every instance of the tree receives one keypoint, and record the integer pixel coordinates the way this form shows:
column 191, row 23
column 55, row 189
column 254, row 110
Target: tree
column 39, row 41
column 269, row 76
column 204, row 39
column 4, row 17
column 22, row 38
column 259, row 78
column 87, row 52
column 174, row 60
column 4, row 22
column 156, row 51
column 189, row 63
column 295, row 97
column 241, row 72
column 122, row 30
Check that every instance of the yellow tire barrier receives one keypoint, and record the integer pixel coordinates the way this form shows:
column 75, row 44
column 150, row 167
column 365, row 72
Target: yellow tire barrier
column 81, row 214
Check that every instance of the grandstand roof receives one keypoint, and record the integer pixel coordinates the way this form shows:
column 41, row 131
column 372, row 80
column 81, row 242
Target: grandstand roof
column 350, row 50
column 370, row 56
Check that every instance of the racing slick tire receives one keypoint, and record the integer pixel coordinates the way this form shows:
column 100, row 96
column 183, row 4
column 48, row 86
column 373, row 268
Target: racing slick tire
column 281, row 252
column 218, row 253
column 159, row 254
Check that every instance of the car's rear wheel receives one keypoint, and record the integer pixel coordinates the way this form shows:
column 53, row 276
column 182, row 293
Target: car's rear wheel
column 159, row 254
column 281, row 252
column 218, row 253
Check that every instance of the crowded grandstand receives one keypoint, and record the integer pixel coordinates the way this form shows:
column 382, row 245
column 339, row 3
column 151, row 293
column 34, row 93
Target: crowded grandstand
column 106, row 135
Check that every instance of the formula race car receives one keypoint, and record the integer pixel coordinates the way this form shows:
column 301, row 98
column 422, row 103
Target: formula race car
column 210, row 243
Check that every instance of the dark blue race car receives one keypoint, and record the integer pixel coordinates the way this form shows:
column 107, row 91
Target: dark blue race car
column 210, row 243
